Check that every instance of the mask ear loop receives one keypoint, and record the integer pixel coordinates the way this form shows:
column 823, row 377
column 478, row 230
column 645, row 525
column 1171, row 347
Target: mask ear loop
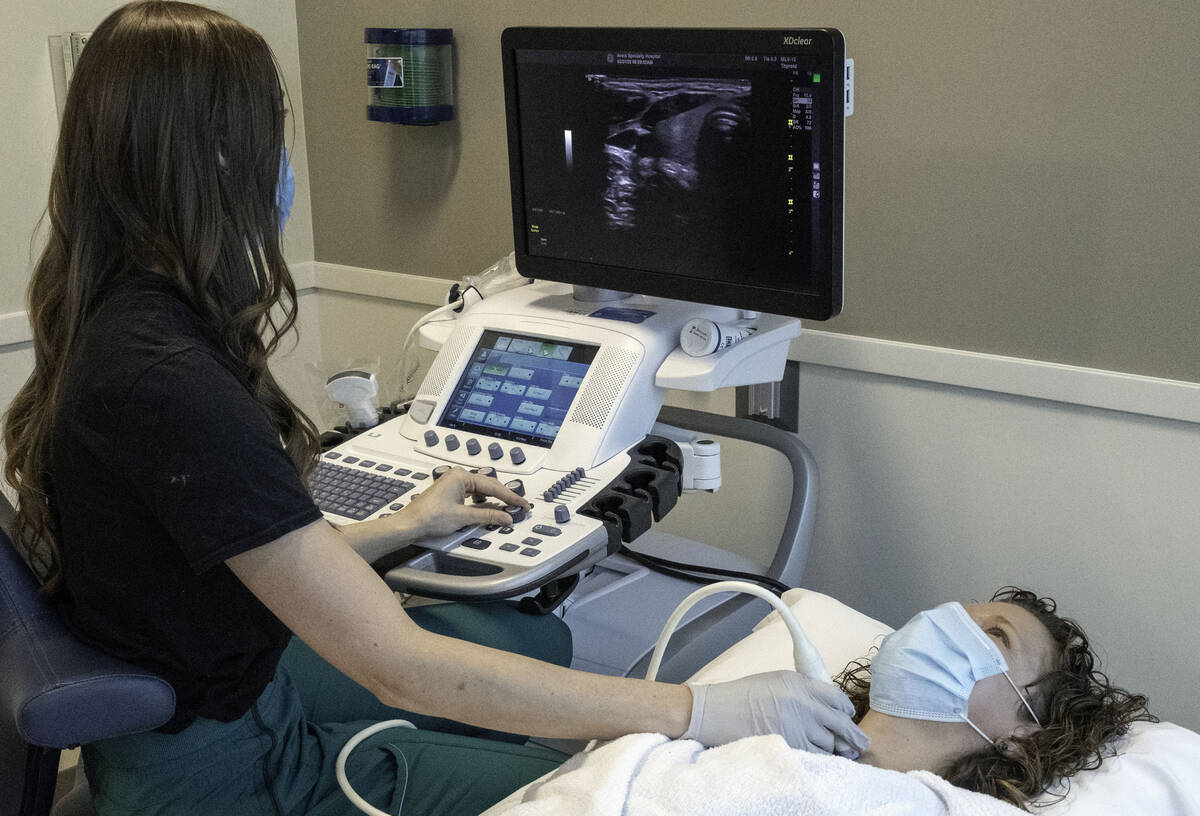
column 1024, row 700
column 967, row 720
column 1028, row 707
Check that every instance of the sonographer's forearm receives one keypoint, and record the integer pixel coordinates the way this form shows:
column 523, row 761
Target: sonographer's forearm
column 508, row 692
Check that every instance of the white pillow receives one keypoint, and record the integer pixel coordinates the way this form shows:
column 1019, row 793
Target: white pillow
column 1154, row 771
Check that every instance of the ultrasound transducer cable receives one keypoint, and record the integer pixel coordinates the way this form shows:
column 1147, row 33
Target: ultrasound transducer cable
column 804, row 655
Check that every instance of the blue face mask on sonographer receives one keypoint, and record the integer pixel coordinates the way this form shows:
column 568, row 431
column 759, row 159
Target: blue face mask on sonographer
column 926, row 669
column 285, row 191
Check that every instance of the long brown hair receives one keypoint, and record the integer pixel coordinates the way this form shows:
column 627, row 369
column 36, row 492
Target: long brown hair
column 167, row 166
column 1081, row 711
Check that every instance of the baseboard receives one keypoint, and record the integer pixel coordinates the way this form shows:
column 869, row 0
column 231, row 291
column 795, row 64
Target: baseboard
column 1037, row 379
column 14, row 329
column 353, row 280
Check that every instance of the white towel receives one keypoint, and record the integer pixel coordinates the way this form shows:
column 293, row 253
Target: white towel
column 649, row 775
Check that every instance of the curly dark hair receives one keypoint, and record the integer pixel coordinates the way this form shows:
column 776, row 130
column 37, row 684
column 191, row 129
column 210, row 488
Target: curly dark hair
column 1082, row 713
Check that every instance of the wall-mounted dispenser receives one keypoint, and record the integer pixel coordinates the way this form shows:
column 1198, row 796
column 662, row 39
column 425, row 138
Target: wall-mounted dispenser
column 410, row 75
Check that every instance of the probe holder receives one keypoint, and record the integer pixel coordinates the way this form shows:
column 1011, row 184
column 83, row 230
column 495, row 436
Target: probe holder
column 646, row 489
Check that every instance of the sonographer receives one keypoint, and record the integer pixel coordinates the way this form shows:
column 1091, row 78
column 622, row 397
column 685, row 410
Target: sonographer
column 161, row 471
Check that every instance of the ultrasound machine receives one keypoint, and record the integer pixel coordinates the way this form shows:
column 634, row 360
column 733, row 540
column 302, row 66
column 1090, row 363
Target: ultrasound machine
column 658, row 177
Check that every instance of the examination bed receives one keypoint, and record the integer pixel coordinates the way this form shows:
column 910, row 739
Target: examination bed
column 1152, row 770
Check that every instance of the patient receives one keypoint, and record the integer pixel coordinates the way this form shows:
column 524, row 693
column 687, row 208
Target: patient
column 936, row 697
column 1001, row 699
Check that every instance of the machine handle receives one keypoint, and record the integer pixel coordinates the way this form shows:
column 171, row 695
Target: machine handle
column 435, row 574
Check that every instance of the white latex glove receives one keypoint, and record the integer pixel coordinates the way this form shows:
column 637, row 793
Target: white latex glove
column 809, row 714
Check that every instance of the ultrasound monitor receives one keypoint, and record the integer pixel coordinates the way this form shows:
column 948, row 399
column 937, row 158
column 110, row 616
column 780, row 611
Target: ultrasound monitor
column 699, row 165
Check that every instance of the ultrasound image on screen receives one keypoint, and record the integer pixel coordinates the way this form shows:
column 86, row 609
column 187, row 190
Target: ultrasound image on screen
column 678, row 155
column 695, row 172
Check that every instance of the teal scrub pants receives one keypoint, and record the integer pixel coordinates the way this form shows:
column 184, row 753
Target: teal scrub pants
column 278, row 759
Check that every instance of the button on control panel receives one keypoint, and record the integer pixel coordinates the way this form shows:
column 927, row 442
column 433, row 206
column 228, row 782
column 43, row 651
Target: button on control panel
column 466, row 450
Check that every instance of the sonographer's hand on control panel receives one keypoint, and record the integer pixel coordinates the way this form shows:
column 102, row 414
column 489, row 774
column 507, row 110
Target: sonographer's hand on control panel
column 440, row 509
column 809, row 714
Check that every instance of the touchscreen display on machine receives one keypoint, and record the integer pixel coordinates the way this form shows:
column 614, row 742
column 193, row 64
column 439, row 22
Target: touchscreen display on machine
column 518, row 387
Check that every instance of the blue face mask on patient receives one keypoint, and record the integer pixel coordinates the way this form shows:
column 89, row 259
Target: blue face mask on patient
column 285, row 191
column 926, row 669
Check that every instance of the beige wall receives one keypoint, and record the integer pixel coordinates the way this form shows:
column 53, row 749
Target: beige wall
column 1021, row 176
column 29, row 126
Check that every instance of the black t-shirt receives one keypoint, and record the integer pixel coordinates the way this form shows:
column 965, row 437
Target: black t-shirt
column 162, row 467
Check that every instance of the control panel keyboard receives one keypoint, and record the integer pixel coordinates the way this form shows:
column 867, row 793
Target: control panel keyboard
column 357, row 494
column 577, row 516
column 353, row 483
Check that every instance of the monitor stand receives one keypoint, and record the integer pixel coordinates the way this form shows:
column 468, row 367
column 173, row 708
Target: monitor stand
column 594, row 294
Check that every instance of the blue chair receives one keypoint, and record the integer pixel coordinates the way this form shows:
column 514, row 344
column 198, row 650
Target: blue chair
column 56, row 692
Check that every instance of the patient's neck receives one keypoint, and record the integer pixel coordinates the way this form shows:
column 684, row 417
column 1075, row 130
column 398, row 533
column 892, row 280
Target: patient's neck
column 901, row 744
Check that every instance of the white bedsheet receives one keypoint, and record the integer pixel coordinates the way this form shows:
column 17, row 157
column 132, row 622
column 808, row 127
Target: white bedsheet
column 649, row 775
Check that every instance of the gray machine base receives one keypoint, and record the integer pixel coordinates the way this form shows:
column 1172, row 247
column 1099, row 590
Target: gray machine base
column 620, row 606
